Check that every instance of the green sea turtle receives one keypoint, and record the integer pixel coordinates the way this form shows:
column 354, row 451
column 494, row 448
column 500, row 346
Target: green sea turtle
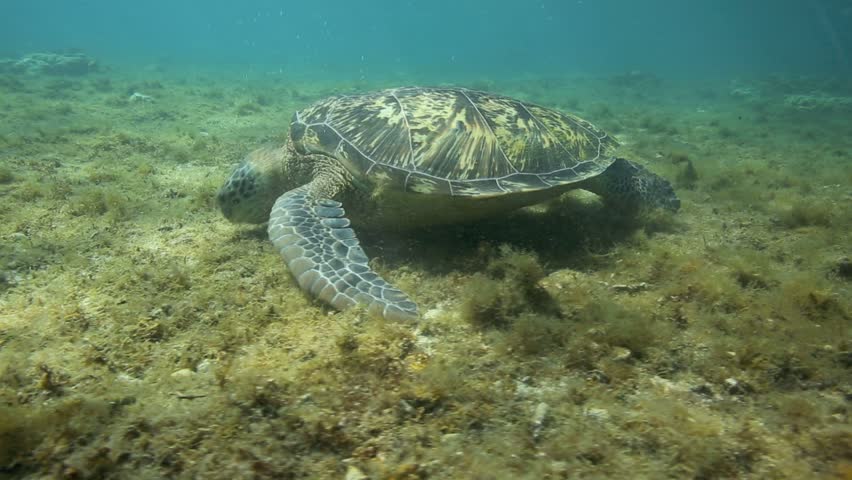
column 413, row 157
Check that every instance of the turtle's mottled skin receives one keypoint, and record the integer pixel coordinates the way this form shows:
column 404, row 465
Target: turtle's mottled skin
column 412, row 157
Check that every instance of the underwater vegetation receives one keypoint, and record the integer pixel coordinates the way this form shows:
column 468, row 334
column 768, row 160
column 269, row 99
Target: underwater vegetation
column 144, row 336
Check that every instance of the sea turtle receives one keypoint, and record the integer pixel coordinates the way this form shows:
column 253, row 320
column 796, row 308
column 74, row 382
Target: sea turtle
column 412, row 157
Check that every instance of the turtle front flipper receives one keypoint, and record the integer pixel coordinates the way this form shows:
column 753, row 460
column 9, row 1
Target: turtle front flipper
column 324, row 256
column 631, row 187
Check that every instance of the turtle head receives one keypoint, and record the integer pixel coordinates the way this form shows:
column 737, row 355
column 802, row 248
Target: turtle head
column 655, row 192
column 630, row 186
column 251, row 190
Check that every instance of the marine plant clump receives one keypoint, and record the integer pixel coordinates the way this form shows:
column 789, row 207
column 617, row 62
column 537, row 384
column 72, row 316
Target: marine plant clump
column 248, row 108
column 6, row 174
column 30, row 190
column 806, row 213
column 726, row 132
column 509, row 287
column 657, row 125
column 97, row 201
column 687, row 177
column 618, row 327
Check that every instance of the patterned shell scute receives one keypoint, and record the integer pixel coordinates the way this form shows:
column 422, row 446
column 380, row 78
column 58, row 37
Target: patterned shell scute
column 453, row 141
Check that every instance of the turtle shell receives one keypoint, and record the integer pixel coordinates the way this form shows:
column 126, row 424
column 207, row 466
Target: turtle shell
column 453, row 141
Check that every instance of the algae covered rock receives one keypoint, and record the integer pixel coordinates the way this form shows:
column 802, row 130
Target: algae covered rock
column 51, row 64
column 817, row 101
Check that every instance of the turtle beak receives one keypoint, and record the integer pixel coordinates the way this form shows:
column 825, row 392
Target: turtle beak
column 223, row 199
column 668, row 197
column 249, row 193
column 238, row 197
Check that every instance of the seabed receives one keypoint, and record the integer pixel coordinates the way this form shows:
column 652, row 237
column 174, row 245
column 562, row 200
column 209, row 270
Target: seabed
column 144, row 336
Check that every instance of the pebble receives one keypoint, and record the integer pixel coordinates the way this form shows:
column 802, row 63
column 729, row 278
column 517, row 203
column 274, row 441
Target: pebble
column 540, row 414
column 632, row 288
column 539, row 417
column 123, row 377
column 704, row 390
column 667, row 386
column 599, row 414
column 355, row 473
column 843, row 268
column 182, row 373
column 433, row 313
column 620, row 354
column 204, row 366
column 736, row 387
column 140, row 98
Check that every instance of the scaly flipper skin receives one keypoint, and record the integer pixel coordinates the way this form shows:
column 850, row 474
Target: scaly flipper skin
column 324, row 256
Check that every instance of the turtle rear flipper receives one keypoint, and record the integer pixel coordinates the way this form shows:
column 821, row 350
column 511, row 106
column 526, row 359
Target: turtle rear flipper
column 324, row 256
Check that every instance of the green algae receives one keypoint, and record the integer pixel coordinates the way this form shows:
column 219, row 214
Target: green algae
column 144, row 337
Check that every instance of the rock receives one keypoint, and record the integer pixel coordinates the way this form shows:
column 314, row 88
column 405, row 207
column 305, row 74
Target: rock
column 406, row 408
column 433, row 313
column 736, row 387
column 540, row 413
column 818, row 102
column 205, row 366
column 140, row 98
column 51, row 64
column 744, row 93
column 355, row 473
column 621, row 354
column 560, row 468
column 123, row 377
column 631, row 288
column 599, row 414
column 843, row 268
column 182, row 373
column 667, row 386
column 539, row 418
column 704, row 390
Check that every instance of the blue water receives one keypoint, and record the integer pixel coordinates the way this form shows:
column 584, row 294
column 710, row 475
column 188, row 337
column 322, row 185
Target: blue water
column 446, row 37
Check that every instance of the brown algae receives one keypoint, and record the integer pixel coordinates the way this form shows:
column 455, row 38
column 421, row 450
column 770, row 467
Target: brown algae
column 143, row 336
